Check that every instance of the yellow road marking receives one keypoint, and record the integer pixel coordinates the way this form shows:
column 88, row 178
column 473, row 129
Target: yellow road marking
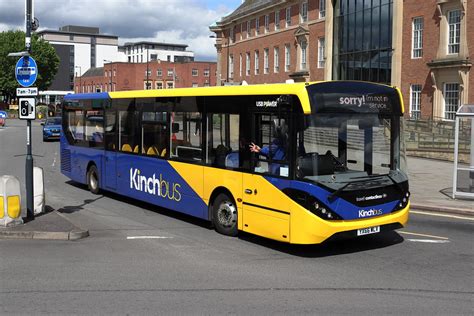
column 442, row 215
column 423, row 235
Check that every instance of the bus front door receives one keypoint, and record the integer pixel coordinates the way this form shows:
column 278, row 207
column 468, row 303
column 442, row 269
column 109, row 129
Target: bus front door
column 265, row 208
column 110, row 161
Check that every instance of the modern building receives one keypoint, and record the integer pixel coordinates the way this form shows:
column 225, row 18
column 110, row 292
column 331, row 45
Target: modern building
column 423, row 47
column 79, row 48
column 157, row 74
column 140, row 52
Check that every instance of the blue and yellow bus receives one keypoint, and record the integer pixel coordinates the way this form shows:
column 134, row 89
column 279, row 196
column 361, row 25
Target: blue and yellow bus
column 299, row 163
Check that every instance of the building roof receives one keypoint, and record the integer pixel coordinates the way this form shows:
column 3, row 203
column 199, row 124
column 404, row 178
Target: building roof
column 94, row 72
column 77, row 30
column 153, row 43
column 249, row 7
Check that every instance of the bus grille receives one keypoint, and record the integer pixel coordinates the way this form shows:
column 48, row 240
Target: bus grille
column 65, row 160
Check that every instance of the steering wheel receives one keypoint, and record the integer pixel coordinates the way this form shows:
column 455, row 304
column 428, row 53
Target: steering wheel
column 338, row 166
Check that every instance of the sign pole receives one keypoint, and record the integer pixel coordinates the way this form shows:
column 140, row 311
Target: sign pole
column 30, row 214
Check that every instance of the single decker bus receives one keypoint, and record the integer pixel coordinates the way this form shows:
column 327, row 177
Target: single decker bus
column 299, row 163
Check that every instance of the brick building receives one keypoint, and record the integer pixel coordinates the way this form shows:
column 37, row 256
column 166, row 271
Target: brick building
column 420, row 46
column 121, row 76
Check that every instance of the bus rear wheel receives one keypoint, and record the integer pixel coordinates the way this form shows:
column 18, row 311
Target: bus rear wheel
column 93, row 179
column 224, row 215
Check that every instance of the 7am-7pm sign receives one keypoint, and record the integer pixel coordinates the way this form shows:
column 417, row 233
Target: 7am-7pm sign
column 27, row 92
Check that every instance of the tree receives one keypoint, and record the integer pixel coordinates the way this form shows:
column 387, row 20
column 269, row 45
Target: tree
column 42, row 51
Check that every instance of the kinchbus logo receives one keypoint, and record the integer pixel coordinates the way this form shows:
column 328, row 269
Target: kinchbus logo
column 153, row 185
column 371, row 212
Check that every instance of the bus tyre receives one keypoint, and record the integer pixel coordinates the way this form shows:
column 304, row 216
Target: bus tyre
column 93, row 179
column 224, row 215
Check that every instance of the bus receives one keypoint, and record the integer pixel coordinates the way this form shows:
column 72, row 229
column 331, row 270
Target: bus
column 300, row 163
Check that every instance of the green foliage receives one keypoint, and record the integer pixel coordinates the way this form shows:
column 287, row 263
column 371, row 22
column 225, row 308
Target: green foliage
column 41, row 51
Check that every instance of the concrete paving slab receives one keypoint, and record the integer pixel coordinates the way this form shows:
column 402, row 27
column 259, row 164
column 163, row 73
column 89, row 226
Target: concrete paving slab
column 49, row 226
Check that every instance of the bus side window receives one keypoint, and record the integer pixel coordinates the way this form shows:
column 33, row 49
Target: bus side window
column 186, row 140
column 223, row 140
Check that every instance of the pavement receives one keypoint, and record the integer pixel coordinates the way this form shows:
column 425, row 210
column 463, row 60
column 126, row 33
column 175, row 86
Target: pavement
column 430, row 186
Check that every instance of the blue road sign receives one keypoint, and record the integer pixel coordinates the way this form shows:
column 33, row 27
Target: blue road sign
column 26, row 71
column 3, row 114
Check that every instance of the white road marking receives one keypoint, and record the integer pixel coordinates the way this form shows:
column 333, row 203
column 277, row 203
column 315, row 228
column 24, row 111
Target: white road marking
column 430, row 241
column 148, row 237
column 443, row 215
column 423, row 235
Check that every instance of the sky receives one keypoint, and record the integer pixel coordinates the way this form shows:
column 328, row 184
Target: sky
column 170, row 21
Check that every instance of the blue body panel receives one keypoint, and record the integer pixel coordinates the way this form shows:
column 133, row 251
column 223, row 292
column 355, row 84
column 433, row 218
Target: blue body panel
column 86, row 96
column 343, row 208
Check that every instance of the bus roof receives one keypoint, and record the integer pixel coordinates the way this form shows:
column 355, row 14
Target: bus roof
column 298, row 89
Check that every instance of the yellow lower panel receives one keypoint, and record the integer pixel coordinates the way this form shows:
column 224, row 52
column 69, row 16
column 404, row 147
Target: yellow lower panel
column 264, row 223
column 307, row 228
column 13, row 206
column 2, row 207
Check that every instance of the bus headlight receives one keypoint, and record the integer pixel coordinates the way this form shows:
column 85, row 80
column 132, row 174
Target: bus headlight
column 403, row 202
column 312, row 204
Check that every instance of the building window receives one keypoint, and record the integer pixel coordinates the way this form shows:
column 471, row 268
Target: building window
column 417, row 38
column 451, row 100
column 363, row 41
column 240, row 65
column 170, row 72
column 195, row 85
column 147, row 85
column 231, row 35
column 276, row 60
column 248, row 29
column 322, row 8
column 241, row 30
column 287, row 57
column 159, row 73
column 288, row 17
column 159, row 85
column 194, row 72
column 169, row 85
column 247, row 64
column 206, row 72
column 257, row 26
column 415, row 101
column 454, row 21
column 304, row 12
column 265, row 61
column 303, row 46
column 321, row 57
column 256, row 62
column 277, row 20
column 231, row 66
column 267, row 23
column 147, row 73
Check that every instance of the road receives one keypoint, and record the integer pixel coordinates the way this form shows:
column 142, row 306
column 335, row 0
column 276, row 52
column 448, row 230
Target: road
column 143, row 260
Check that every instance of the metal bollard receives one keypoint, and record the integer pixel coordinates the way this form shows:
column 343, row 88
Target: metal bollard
column 10, row 201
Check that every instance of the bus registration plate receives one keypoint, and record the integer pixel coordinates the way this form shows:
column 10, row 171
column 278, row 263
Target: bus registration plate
column 369, row 230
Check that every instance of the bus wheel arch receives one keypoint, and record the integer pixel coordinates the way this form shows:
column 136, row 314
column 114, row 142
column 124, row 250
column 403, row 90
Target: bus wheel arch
column 92, row 178
column 223, row 212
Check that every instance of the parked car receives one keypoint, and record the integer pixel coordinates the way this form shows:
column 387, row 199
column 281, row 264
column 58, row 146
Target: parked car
column 51, row 128
column 3, row 118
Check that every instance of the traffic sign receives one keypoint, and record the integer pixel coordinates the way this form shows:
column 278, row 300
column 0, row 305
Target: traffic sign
column 26, row 71
column 27, row 109
column 27, row 92
column 3, row 114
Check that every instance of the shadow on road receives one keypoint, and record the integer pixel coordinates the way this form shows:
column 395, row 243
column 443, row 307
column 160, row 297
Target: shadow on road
column 330, row 248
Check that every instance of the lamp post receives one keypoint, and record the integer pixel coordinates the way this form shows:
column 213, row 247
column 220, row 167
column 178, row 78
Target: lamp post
column 147, row 69
column 109, row 61
column 80, row 77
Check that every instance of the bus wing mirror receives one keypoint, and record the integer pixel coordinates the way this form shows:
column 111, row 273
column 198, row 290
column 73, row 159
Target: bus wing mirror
column 175, row 128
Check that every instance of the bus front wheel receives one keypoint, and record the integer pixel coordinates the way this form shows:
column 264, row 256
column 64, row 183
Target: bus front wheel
column 93, row 179
column 224, row 215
